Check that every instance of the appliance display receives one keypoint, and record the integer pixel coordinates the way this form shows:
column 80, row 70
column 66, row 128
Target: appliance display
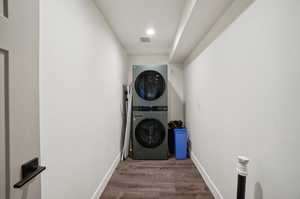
column 150, row 135
column 150, row 85
column 150, row 112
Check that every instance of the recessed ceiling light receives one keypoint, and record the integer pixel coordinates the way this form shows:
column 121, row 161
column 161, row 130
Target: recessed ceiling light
column 150, row 31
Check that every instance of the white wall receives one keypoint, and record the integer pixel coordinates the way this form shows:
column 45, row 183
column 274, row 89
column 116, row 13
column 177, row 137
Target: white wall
column 175, row 82
column 82, row 68
column 242, row 96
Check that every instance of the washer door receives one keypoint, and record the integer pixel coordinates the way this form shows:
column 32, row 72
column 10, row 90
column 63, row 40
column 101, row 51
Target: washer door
column 150, row 85
column 150, row 133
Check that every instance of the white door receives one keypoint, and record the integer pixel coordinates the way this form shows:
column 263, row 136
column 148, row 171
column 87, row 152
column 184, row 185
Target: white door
column 19, row 118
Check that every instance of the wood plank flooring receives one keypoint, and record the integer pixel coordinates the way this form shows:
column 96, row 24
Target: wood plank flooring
column 156, row 179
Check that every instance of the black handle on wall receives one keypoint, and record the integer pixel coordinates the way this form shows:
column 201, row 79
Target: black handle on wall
column 29, row 170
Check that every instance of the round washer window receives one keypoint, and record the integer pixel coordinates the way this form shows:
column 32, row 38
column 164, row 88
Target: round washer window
column 150, row 133
column 150, row 85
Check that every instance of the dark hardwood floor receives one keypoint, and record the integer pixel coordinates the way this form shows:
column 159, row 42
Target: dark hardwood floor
column 152, row 179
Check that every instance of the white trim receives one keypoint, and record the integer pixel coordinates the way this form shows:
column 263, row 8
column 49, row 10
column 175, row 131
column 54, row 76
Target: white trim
column 234, row 10
column 211, row 185
column 186, row 15
column 106, row 178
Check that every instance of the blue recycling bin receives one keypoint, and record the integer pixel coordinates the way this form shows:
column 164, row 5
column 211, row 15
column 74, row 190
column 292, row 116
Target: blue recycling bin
column 180, row 143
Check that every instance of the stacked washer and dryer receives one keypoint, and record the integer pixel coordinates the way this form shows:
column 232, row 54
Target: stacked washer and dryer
column 150, row 112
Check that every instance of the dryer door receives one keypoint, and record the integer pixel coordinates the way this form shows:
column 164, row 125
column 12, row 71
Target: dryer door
column 150, row 85
column 150, row 133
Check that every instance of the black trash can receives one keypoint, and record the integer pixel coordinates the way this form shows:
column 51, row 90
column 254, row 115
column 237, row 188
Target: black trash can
column 171, row 141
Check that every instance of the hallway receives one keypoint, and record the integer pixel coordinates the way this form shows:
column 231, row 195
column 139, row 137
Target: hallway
column 227, row 70
column 166, row 179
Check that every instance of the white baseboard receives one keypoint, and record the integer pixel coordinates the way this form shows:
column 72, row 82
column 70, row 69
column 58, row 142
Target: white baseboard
column 211, row 185
column 106, row 178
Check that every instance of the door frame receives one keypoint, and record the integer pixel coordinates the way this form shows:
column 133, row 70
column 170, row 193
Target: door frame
column 6, row 121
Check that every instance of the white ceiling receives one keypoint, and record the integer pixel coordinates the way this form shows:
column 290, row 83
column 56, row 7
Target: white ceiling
column 129, row 19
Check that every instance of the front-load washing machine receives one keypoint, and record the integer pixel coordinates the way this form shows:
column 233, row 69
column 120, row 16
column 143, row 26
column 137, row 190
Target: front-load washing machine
column 150, row 85
column 150, row 135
